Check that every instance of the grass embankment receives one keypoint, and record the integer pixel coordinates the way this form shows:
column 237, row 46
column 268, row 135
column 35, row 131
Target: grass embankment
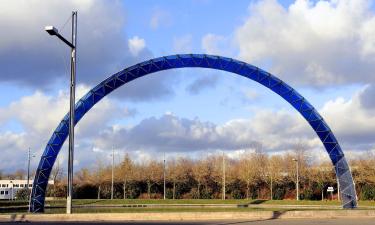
column 202, row 201
column 135, row 205
column 161, row 210
column 62, row 202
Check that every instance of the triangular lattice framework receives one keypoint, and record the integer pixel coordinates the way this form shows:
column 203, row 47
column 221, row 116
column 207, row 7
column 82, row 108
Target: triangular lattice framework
column 348, row 194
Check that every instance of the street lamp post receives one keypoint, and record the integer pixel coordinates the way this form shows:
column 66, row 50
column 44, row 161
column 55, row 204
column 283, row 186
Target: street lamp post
column 338, row 190
column 28, row 169
column 223, row 196
column 164, row 175
column 271, row 186
column 113, row 163
column 297, row 183
column 73, row 44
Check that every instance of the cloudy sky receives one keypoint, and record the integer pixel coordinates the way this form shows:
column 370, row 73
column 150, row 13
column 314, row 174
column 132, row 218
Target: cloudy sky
column 324, row 49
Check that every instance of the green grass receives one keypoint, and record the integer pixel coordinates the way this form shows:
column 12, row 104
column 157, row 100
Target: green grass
column 161, row 210
column 6, row 203
column 189, row 201
column 58, row 206
column 202, row 201
column 183, row 201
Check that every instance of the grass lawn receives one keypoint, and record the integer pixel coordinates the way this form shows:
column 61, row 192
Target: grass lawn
column 183, row 201
column 58, row 206
column 203, row 201
column 161, row 210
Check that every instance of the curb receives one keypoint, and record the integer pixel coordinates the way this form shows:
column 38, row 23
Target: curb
column 264, row 215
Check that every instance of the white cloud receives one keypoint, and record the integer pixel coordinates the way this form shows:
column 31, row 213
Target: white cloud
column 29, row 56
column 202, row 83
column 250, row 94
column 39, row 114
column 278, row 131
column 173, row 134
column 353, row 123
column 315, row 43
column 183, row 44
column 160, row 18
column 136, row 45
column 217, row 45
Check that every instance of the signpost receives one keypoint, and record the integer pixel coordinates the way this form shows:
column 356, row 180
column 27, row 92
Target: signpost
column 330, row 189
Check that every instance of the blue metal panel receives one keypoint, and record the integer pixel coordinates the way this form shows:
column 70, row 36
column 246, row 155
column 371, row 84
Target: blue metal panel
column 348, row 194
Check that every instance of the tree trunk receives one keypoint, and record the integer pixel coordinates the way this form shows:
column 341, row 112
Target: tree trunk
column 322, row 194
column 149, row 189
column 199, row 192
column 124, row 189
column 247, row 190
column 271, row 189
column 174, row 189
column 99, row 192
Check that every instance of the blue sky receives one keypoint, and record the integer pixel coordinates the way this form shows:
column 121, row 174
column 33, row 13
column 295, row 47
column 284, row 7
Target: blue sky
column 324, row 49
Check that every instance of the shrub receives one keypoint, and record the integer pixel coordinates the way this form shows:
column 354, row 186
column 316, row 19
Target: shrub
column 23, row 194
column 367, row 192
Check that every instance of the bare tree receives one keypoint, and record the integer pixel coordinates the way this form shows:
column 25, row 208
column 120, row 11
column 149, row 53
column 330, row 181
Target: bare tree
column 322, row 175
column 202, row 170
column 57, row 172
column 99, row 175
column 248, row 171
column 19, row 174
column 152, row 173
column 275, row 171
column 178, row 171
column 83, row 176
column 126, row 171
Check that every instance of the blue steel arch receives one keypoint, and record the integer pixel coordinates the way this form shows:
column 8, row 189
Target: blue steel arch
column 348, row 194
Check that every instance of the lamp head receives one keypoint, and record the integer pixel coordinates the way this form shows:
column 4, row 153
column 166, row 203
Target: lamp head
column 51, row 30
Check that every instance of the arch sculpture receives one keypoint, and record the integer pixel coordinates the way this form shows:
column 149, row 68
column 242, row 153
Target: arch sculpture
column 344, row 176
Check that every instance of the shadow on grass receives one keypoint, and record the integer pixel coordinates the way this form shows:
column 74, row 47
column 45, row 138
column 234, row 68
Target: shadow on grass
column 89, row 202
column 254, row 202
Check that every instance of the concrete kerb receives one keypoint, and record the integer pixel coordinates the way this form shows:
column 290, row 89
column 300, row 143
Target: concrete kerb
column 189, row 216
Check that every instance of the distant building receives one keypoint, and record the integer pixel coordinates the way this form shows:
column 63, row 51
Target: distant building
column 9, row 188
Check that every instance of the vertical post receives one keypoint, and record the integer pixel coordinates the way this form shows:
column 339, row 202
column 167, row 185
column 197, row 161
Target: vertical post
column 338, row 189
column 113, row 162
column 164, row 175
column 72, row 108
column 271, row 187
column 297, row 180
column 223, row 196
column 28, row 171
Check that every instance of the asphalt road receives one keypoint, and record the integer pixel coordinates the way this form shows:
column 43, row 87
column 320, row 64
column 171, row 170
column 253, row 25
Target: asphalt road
column 232, row 222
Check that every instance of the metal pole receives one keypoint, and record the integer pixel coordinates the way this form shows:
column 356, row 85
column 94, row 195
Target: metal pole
column 223, row 176
column 113, row 162
column 271, row 188
column 28, row 170
column 72, row 108
column 164, row 174
column 297, row 181
column 338, row 190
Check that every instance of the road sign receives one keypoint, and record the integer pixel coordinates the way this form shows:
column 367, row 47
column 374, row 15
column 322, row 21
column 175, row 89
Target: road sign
column 330, row 189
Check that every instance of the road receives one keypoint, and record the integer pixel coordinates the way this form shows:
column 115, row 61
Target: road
column 232, row 222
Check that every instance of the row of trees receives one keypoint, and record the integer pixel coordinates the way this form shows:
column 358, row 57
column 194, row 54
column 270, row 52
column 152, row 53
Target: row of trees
column 252, row 175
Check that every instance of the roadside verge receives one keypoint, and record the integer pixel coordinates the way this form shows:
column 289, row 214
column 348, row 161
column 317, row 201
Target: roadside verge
column 253, row 215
